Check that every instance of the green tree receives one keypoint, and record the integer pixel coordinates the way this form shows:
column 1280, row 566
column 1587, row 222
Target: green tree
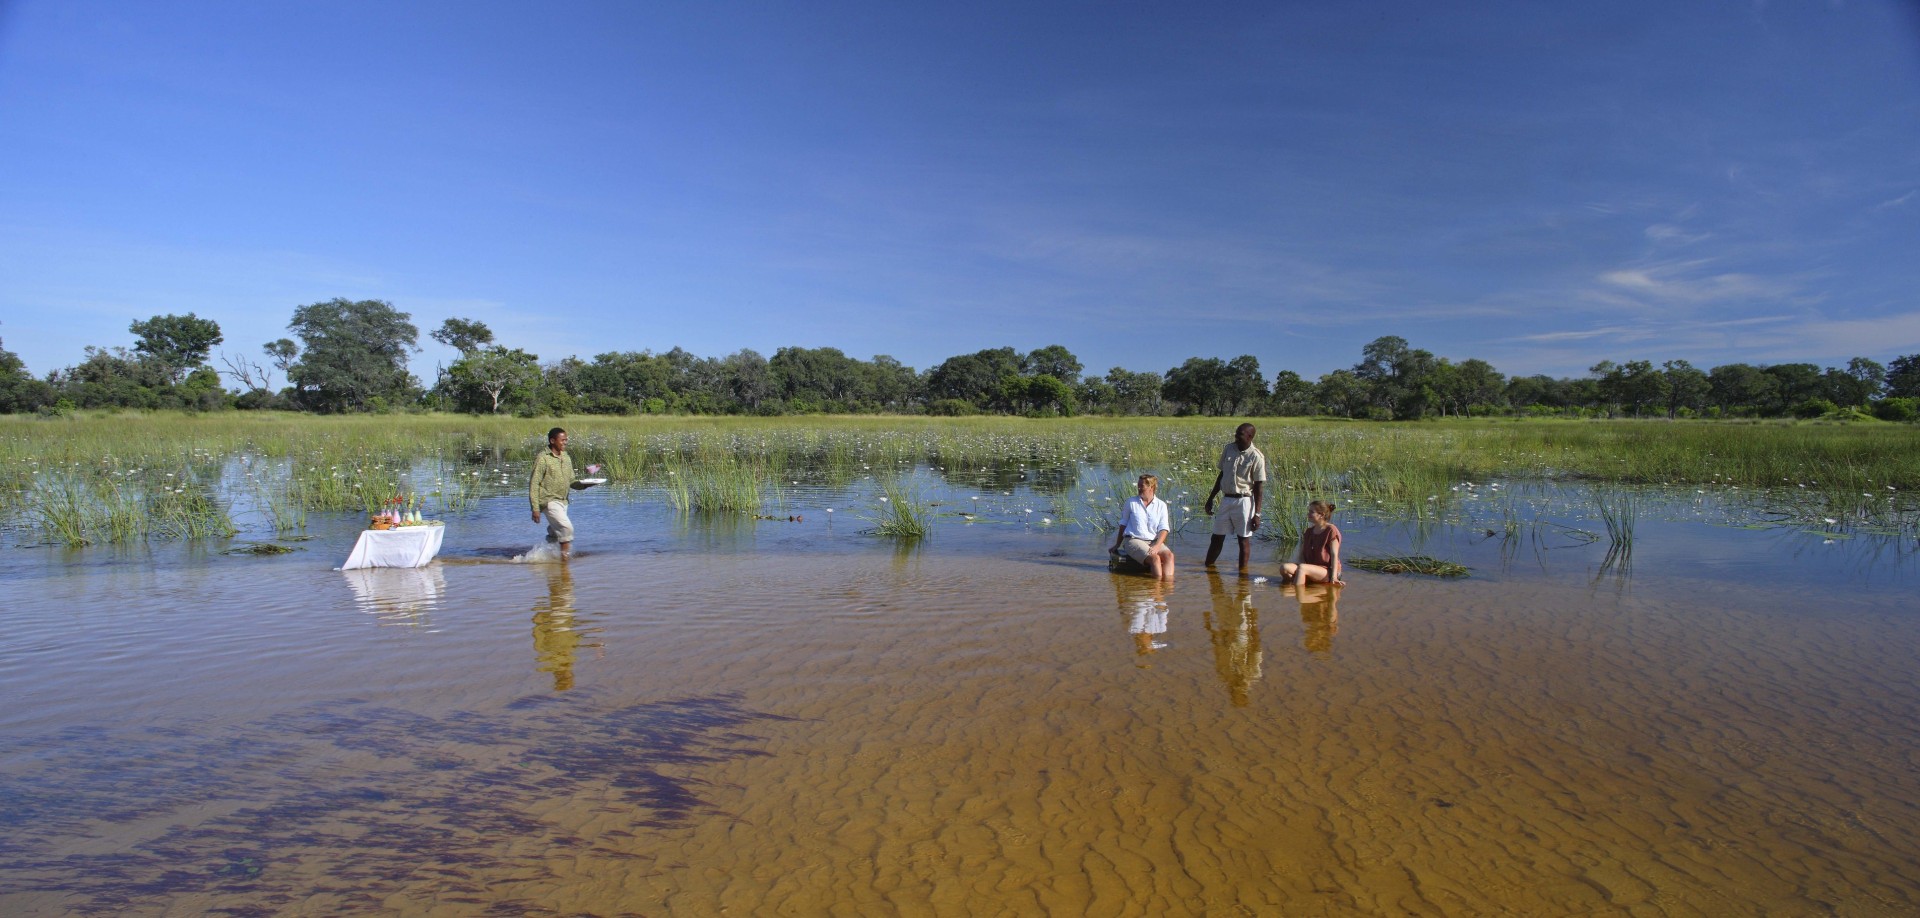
column 1903, row 377
column 283, row 354
column 748, row 379
column 1478, row 384
column 817, row 379
column 891, row 385
column 1203, row 385
column 973, row 378
column 1686, row 387
column 1053, row 360
column 463, row 335
column 1539, row 393
column 1740, row 388
column 1245, row 383
column 626, row 378
column 354, row 353
column 1341, row 393
column 1397, row 376
column 488, row 377
column 176, row 344
column 1094, row 395
column 1628, row 387
column 19, row 391
column 1135, row 393
column 1291, row 395
column 1857, row 385
column 1041, row 394
column 1794, row 385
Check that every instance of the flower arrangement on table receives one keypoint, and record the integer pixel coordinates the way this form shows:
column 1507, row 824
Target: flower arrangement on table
column 400, row 511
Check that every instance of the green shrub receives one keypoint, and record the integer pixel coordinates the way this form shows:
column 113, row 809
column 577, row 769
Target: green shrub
column 1897, row 409
column 606, row 404
column 951, row 407
column 1814, row 408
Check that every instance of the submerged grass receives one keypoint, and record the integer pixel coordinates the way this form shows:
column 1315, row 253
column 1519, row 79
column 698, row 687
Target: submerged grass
column 1410, row 564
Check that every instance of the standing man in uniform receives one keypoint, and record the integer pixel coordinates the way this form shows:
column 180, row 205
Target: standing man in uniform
column 1243, row 472
column 552, row 476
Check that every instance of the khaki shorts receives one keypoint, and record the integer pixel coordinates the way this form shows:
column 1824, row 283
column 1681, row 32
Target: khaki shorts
column 1235, row 517
column 1136, row 548
column 559, row 525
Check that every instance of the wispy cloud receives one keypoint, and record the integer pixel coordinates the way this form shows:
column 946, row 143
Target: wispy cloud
column 1692, row 283
column 1670, row 234
column 1897, row 202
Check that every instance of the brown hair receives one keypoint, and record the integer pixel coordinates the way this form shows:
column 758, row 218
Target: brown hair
column 1323, row 507
column 1146, row 478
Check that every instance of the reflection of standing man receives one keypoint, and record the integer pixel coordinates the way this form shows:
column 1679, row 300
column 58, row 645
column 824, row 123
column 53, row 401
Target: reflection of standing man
column 1243, row 472
column 555, row 637
column 1235, row 629
column 552, row 475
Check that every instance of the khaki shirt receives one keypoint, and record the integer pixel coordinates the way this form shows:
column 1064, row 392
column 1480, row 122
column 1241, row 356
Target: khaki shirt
column 1239, row 469
column 551, row 476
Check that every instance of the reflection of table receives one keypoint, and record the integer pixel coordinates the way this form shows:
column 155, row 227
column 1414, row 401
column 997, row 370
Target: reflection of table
column 408, row 546
column 397, row 596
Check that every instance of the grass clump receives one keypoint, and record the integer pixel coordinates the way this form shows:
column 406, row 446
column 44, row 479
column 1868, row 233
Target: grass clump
column 260, row 549
column 1410, row 564
column 902, row 514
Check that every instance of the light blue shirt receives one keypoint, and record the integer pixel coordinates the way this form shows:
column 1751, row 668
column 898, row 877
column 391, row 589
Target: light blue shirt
column 1146, row 521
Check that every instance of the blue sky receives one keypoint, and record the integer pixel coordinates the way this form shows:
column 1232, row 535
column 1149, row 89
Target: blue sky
column 1541, row 185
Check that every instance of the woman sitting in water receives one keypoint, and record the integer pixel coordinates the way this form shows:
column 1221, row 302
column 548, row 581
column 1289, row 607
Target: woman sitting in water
column 1143, row 536
column 1319, row 558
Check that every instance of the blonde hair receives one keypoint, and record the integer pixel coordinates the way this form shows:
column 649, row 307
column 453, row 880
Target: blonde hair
column 1149, row 479
column 1323, row 507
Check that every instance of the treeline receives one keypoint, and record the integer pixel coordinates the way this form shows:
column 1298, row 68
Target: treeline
column 352, row 356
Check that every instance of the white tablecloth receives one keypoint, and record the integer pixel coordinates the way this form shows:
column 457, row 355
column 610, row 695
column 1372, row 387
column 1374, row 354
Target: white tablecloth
column 408, row 546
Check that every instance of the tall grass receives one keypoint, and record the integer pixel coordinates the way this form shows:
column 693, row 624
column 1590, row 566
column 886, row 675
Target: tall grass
column 1410, row 471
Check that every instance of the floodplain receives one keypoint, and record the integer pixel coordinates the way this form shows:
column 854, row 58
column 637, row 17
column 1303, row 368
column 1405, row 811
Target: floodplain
column 877, row 665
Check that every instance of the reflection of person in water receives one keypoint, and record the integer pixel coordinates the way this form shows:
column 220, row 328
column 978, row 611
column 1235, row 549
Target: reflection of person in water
column 1143, row 603
column 1235, row 629
column 1320, row 613
column 555, row 636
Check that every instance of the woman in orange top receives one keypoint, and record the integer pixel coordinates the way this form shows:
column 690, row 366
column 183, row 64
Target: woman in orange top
column 1319, row 557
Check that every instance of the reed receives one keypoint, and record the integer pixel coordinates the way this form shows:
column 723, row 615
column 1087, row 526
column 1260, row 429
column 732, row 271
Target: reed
column 1618, row 511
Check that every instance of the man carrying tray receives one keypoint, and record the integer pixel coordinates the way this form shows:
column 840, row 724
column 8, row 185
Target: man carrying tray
column 552, row 477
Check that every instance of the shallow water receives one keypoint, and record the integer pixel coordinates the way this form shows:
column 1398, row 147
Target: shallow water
column 794, row 718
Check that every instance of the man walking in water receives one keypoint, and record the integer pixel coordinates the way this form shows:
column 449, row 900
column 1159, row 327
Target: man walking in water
column 552, row 476
column 1243, row 472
